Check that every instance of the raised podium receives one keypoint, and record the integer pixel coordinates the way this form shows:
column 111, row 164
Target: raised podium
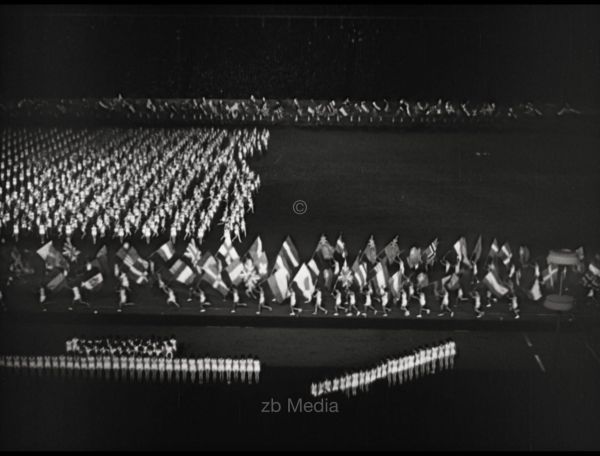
column 561, row 259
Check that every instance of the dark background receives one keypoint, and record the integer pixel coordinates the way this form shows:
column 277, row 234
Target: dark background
column 502, row 53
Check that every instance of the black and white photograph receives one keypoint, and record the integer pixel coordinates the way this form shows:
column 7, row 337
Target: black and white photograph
column 323, row 227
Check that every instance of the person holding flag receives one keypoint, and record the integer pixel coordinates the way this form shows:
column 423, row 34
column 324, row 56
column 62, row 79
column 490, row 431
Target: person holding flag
column 352, row 306
column 235, row 302
column 319, row 302
column 337, row 295
column 368, row 305
column 294, row 310
column 422, row 305
column 261, row 301
column 445, row 304
column 384, row 298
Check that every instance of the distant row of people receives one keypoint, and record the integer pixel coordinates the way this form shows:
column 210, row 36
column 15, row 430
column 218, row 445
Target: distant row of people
column 422, row 361
column 275, row 111
column 135, row 368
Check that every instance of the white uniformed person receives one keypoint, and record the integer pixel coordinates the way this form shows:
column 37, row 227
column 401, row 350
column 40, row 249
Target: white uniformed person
column 319, row 302
column 368, row 303
column 294, row 311
column 261, row 301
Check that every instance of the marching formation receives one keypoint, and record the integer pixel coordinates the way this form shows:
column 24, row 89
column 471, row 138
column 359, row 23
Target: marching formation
column 123, row 183
column 288, row 111
column 135, row 359
column 422, row 361
column 410, row 282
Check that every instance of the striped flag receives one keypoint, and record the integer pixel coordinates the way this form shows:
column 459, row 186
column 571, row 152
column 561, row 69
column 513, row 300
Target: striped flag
column 324, row 253
column 288, row 257
column 193, row 253
column 313, row 268
column 460, row 247
column 58, row 282
column 494, row 284
column 304, row 282
column 591, row 278
column 94, row 283
column 278, row 284
column 166, row 251
column 182, row 272
column 360, row 273
column 430, row 252
column 381, row 278
column 70, row 252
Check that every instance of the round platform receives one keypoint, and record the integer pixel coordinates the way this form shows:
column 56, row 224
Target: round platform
column 559, row 303
column 563, row 258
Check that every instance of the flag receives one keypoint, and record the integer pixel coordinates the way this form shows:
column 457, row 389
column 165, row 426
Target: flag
column 477, row 250
column 52, row 257
column 278, row 284
column 346, row 276
column 371, row 251
column 340, row 247
column 136, row 266
column 313, row 268
column 591, row 278
column 235, row 272
column 460, row 247
column 549, row 275
column 451, row 282
column 494, row 249
column 70, row 252
column 259, row 257
column 227, row 251
column 527, row 281
column 343, row 112
column 414, row 257
column 392, row 251
column 193, row 253
column 182, row 272
column 212, row 273
column 324, row 252
column 360, row 273
column 381, row 278
column 395, row 284
column 505, row 253
column 428, row 255
column 304, row 282
column 101, row 260
column 94, row 283
column 166, row 251
column 58, row 282
column 494, row 284
column 288, row 257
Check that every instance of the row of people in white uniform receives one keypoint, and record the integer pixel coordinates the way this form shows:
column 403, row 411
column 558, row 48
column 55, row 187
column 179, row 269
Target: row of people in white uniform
column 115, row 346
column 200, row 370
column 423, row 361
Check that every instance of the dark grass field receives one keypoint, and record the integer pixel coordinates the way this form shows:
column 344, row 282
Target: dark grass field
column 533, row 186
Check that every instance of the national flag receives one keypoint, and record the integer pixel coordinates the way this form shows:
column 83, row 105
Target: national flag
column 381, row 277
column 428, row 255
column 392, row 251
column 136, row 266
column 70, row 252
column 460, row 247
column 346, row 276
column 451, row 282
column 527, row 281
column 259, row 257
column 422, row 281
column 212, row 273
column 313, row 268
column 288, row 257
column 304, row 282
column 494, row 249
column 278, row 284
column 360, row 273
column 477, row 250
column 235, row 271
column 101, row 260
column 505, row 253
column 182, row 272
column 549, row 275
column 193, row 253
column 591, row 278
column 395, row 284
column 414, row 257
column 340, row 247
column 94, row 283
column 52, row 257
column 343, row 111
column 324, row 252
column 58, row 282
column 166, row 251
column 370, row 251
column 227, row 251
column 495, row 285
